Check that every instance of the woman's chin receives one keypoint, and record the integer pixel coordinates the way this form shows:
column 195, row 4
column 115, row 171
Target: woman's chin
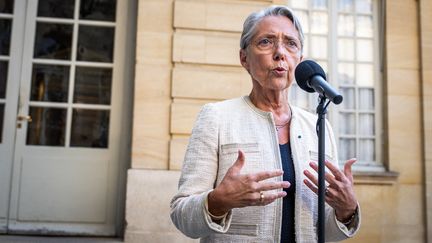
column 280, row 84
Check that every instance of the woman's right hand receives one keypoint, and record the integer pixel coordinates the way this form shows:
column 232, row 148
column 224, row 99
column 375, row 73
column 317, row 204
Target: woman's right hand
column 241, row 190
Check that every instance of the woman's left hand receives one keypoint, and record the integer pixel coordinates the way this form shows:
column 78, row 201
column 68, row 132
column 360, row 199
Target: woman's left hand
column 340, row 190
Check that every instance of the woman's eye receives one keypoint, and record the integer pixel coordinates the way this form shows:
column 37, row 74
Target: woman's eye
column 292, row 43
column 264, row 42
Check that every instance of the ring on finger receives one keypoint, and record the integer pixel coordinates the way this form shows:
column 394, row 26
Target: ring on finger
column 262, row 196
column 327, row 191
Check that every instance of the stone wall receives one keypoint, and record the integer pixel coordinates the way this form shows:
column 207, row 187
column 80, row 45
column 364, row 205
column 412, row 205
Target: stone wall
column 187, row 55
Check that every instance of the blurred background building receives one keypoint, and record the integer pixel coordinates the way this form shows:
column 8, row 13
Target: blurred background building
column 98, row 98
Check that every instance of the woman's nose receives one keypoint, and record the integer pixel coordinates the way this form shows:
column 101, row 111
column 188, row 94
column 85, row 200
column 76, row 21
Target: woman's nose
column 279, row 52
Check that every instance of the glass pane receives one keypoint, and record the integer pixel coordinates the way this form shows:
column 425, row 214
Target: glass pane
column 347, row 125
column 319, row 23
column 319, row 4
column 1, row 121
column 367, row 150
column 93, row 85
column 6, row 6
column 324, row 66
column 48, row 126
column 90, row 128
column 303, row 16
column 345, row 25
column 364, row 50
column 346, row 73
column 367, row 124
column 367, row 99
column 5, row 33
column 347, row 148
column 346, row 5
column 56, row 8
column 364, row 6
column 53, row 41
column 319, row 47
column 50, row 83
column 306, row 46
column 348, row 98
column 95, row 44
column 3, row 78
column 345, row 49
column 365, row 75
column 98, row 10
column 364, row 26
column 303, row 4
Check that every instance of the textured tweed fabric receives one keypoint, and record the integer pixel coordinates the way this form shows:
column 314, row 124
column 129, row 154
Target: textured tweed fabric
column 223, row 128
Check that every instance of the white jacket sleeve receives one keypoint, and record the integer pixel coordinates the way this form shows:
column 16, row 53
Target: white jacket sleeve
column 198, row 177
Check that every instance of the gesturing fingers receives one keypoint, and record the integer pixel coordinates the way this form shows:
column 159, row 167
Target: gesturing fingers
column 335, row 171
column 239, row 163
column 329, row 177
column 238, row 190
column 312, row 183
column 347, row 168
column 264, row 175
column 235, row 169
column 266, row 197
column 267, row 186
column 339, row 193
column 264, row 192
column 311, row 177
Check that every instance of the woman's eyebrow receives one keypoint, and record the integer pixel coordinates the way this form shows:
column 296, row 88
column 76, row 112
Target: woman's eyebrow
column 290, row 37
column 266, row 35
column 273, row 35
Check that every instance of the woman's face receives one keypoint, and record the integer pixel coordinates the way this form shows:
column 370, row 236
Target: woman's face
column 273, row 53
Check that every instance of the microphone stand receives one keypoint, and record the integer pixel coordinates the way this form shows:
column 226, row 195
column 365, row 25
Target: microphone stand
column 320, row 128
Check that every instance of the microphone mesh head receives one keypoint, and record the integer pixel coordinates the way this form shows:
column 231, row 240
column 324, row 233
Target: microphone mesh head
column 305, row 71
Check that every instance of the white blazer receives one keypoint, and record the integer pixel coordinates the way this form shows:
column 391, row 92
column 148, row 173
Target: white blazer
column 223, row 128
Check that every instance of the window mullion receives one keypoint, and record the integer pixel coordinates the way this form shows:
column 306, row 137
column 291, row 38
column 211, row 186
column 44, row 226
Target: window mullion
column 332, row 60
column 378, row 34
column 356, row 87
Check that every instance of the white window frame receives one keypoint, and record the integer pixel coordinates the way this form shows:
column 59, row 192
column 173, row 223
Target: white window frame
column 332, row 64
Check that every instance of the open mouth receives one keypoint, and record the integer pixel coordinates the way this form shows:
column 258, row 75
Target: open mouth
column 280, row 69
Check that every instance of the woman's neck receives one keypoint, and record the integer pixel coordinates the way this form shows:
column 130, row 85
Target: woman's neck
column 274, row 101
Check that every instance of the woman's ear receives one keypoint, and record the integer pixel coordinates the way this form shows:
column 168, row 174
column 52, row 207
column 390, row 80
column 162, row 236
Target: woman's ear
column 243, row 59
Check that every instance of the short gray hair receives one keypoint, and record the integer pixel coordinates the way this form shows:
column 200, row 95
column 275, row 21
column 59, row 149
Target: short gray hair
column 249, row 26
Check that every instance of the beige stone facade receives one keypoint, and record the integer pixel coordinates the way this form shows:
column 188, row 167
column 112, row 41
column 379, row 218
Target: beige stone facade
column 187, row 55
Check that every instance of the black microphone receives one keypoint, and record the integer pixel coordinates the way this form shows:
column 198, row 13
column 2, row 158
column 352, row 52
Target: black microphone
column 311, row 78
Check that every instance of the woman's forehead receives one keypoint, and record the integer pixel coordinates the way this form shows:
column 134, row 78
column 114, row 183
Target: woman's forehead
column 275, row 25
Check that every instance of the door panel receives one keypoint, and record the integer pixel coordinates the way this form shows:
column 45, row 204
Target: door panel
column 67, row 189
column 61, row 168
column 64, row 143
column 11, row 26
